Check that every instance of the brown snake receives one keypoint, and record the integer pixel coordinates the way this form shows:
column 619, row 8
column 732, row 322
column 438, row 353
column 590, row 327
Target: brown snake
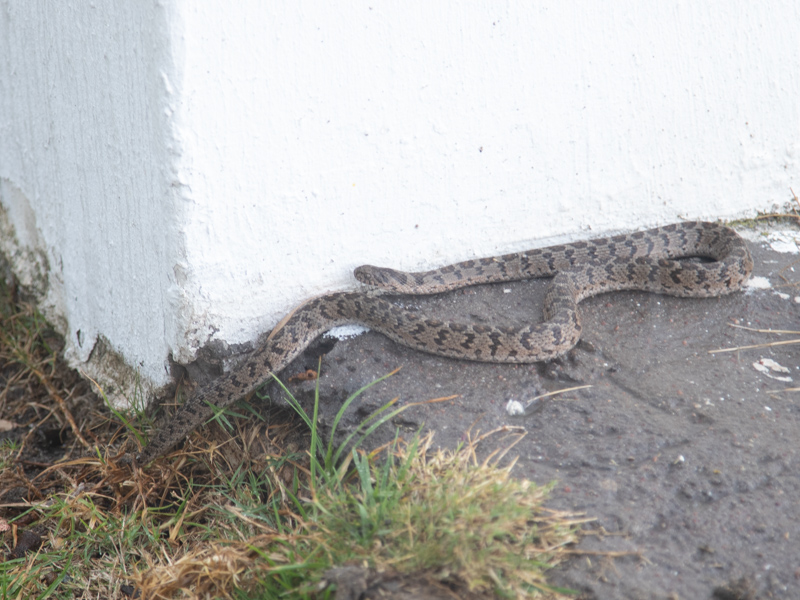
column 639, row 261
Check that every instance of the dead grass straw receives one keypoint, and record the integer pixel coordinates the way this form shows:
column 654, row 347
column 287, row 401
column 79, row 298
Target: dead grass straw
column 764, row 345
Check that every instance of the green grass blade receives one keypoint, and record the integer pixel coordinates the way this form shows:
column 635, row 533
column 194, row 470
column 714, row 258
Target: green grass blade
column 343, row 408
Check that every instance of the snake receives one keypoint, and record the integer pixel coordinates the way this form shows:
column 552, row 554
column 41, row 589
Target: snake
column 648, row 260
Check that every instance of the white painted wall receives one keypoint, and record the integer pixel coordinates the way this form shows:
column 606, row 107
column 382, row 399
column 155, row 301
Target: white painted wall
column 88, row 210
column 191, row 170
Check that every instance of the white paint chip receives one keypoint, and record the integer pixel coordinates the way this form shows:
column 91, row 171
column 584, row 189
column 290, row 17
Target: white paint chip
column 767, row 366
column 786, row 244
column 784, row 241
column 758, row 283
column 345, row 332
column 515, row 408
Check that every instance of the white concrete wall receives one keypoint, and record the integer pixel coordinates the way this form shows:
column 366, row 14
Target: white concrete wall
column 88, row 210
column 194, row 170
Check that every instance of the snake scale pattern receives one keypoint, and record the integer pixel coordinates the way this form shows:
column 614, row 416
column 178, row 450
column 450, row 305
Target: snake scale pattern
column 645, row 260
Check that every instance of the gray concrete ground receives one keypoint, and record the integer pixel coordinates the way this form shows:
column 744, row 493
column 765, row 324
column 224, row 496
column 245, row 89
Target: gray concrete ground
column 686, row 457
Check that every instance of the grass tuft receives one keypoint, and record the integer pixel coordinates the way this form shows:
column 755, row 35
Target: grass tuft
column 445, row 514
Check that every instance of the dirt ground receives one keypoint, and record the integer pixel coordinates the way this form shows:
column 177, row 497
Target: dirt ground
column 688, row 460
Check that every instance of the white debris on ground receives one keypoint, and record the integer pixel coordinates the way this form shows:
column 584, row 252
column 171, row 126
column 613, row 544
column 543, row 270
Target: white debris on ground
column 515, row 408
column 762, row 283
column 345, row 332
column 780, row 240
column 786, row 241
column 758, row 283
column 767, row 366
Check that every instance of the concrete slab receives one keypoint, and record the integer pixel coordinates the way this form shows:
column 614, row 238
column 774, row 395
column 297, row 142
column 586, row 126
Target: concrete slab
column 689, row 457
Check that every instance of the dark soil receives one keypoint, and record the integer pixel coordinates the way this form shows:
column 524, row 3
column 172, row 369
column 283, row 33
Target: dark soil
column 686, row 459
